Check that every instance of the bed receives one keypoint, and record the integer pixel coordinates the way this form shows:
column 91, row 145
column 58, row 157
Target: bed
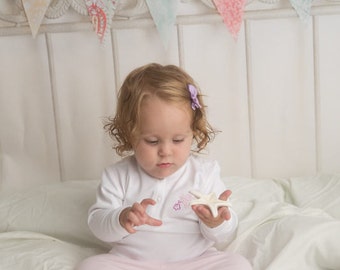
column 272, row 91
column 285, row 223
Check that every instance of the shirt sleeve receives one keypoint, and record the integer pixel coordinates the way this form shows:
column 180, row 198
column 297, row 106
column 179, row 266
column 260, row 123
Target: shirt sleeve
column 103, row 218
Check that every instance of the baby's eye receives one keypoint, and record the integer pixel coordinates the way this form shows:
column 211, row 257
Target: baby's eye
column 178, row 140
column 152, row 142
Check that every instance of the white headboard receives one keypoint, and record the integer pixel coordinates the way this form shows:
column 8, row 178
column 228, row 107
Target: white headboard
column 274, row 93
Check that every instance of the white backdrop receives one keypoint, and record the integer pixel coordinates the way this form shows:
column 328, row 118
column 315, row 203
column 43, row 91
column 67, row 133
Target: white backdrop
column 273, row 93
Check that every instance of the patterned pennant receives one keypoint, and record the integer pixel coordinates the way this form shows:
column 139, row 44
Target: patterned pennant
column 101, row 13
column 232, row 13
column 35, row 11
column 303, row 8
column 163, row 13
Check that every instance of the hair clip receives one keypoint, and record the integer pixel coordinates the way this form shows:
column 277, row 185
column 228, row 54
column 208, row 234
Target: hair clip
column 195, row 104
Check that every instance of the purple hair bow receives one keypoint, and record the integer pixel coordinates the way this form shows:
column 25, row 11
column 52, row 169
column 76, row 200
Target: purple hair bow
column 195, row 104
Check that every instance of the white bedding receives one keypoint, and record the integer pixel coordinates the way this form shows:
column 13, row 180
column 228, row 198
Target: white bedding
column 284, row 224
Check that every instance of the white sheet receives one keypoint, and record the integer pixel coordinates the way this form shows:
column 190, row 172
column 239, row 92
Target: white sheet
column 288, row 223
column 284, row 224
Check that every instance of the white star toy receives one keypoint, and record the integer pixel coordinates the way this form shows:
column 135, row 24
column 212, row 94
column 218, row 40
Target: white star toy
column 209, row 200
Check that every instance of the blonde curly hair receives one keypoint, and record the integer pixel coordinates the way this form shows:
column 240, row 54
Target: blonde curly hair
column 169, row 83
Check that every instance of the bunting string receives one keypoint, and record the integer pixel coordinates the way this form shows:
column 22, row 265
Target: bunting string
column 163, row 13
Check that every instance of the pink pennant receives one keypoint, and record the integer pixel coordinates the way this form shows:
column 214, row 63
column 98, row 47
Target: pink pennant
column 232, row 13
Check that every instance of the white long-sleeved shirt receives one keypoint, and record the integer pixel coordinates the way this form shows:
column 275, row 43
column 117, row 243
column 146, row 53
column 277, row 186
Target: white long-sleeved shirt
column 182, row 235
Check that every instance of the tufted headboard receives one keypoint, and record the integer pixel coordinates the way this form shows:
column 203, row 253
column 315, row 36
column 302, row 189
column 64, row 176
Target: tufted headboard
column 273, row 93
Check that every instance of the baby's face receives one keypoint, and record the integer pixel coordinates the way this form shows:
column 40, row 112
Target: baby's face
column 165, row 137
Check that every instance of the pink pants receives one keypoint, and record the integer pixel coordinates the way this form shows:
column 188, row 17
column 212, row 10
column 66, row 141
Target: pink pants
column 210, row 260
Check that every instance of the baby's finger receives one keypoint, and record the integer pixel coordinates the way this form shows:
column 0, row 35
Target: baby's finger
column 225, row 195
column 130, row 228
column 138, row 209
column 224, row 213
column 146, row 202
column 154, row 222
column 135, row 219
column 150, row 220
column 202, row 211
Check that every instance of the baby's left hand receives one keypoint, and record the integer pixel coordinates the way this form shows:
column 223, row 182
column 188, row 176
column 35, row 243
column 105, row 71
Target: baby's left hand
column 204, row 213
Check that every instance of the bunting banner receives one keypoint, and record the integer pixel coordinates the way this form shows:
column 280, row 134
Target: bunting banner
column 163, row 13
column 101, row 13
column 35, row 11
column 232, row 14
column 303, row 8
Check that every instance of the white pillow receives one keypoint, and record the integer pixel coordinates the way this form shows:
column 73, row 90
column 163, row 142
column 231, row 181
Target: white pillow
column 59, row 210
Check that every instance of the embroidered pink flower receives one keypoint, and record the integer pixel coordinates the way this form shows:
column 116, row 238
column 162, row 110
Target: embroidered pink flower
column 183, row 202
column 177, row 205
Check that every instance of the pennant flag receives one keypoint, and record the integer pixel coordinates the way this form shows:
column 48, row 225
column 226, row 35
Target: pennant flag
column 303, row 8
column 163, row 13
column 232, row 13
column 35, row 11
column 101, row 13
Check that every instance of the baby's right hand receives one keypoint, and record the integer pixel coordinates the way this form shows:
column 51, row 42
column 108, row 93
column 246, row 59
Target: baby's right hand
column 136, row 215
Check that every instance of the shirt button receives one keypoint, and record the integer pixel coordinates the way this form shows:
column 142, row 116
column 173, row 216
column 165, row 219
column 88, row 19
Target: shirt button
column 159, row 198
